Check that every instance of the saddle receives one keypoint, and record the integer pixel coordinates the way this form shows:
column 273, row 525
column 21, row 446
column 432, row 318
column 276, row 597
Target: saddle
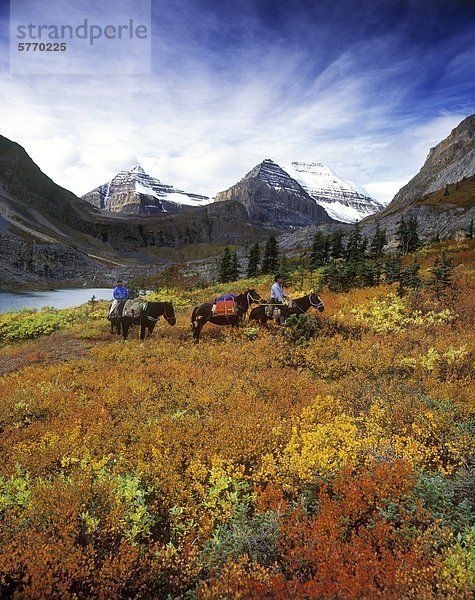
column 224, row 306
column 133, row 308
column 274, row 311
column 113, row 313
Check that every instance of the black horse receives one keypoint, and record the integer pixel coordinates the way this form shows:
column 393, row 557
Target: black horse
column 203, row 313
column 148, row 317
column 298, row 307
column 115, row 325
column 115, row 317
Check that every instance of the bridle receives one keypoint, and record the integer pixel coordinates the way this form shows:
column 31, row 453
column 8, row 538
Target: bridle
column 250, row 299
column 164, row 314
column 166, row 317
column 317, row 306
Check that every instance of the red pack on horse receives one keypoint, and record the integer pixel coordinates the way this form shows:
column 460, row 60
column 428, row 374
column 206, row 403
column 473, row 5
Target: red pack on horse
column 225, row 306
column 206, row 313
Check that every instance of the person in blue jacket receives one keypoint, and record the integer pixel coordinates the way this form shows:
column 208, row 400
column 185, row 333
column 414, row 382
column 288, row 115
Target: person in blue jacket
column 120, row 295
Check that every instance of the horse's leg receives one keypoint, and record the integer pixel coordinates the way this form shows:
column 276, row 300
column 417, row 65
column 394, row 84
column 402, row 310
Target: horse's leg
column 151, row 327
column 197, row 330
column 194, row 322
column 125, row 329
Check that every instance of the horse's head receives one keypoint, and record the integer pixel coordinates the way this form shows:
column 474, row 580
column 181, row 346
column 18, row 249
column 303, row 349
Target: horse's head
column 253, row 296
column 316, row 302
column 169, row 313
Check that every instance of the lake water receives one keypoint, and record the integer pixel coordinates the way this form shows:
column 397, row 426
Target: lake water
column 65, row 298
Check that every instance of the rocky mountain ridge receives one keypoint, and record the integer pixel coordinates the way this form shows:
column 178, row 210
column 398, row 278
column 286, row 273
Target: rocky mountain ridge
column 274, row 199
column 48, row 235
column 134, row 192
column 342, row 200
column 452, row 160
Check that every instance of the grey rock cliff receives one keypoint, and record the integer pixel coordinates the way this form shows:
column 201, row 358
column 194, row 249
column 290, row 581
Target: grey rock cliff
column 273, row 199
column 134, row 192
column 449, row 162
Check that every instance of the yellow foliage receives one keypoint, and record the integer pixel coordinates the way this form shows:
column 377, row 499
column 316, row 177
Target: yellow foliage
column 135, row 455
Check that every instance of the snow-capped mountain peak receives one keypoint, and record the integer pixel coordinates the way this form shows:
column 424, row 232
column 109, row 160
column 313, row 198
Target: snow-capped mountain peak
column 274, row 176
column 136, row 192
column 272, row 198
column 342, row 200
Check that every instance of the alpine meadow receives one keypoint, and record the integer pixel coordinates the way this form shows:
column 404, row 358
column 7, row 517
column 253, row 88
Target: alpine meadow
column 237, row 300
column 257, row 464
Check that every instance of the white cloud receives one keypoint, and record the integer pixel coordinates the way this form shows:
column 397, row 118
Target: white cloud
column 201, row 128
column 384, row 191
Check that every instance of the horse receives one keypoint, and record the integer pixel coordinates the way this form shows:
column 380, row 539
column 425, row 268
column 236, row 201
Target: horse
column 115, row 318
column 203, row 313
column 115, row 325
column 298, row 307
column 147, row 318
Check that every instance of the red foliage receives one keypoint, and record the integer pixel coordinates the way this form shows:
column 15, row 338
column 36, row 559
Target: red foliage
column 347, row 550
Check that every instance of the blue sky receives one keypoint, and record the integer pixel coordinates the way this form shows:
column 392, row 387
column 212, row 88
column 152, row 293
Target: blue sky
column 366, row 87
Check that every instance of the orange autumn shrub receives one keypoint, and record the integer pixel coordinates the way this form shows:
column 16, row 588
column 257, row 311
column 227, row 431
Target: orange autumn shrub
column 246, row 466
column 347, row 549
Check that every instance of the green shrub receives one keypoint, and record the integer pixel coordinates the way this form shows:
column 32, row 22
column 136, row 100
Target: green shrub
column 301, row 329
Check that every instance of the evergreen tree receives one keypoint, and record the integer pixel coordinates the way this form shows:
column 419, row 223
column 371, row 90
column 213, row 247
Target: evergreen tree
column 225, row 266
column 284, row 267
column 446, row 190
column 270, row 262
column 363, row 247
column 392, row 269
column 320, row 250
column 369, row 273
column 442, row 273
column 413, row 241
column 253, row 260
column 402, row 235
column 337, row 248
column 355, row 248
column 470, row 230
column 378, row 241
column 234, row 267
column 409, row 278
column 340, row 275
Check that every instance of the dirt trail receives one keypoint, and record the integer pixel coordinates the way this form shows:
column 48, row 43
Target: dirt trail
column 57, row 348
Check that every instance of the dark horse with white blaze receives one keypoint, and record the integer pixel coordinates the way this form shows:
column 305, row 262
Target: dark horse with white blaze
column 147, row 318
column 298, row 307
column 203, row 313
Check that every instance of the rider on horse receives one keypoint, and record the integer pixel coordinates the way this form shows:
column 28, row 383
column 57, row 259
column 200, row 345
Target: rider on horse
column 120, row 295
column 277, row 295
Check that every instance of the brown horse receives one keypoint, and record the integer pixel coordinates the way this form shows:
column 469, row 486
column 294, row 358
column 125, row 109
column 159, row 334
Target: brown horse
column 299, row 306
column 203, row 313
column 147, row 318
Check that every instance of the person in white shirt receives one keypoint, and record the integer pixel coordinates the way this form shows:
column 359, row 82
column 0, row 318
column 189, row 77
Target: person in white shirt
column 277, row 295
column 277, row 291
